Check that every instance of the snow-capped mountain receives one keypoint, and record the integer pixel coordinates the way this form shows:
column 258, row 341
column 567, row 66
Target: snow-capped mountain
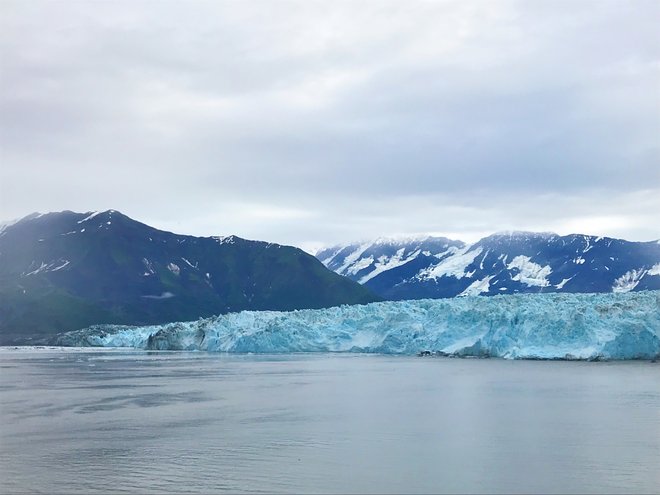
column 503, row 263
column 67, row 270
column 365, row 261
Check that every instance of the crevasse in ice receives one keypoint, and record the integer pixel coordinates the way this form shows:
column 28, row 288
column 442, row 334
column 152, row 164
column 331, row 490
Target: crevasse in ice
column 540, row 326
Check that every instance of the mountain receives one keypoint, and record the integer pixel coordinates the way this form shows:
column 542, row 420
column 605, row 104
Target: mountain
column 503, row 263
column 64, row 271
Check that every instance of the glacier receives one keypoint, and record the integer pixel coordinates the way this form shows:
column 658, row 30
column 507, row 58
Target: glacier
column 523, row 326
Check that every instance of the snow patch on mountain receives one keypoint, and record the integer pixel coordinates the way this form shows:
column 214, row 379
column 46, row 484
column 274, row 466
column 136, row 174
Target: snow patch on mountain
column 189, row 263
column 90, row 216
column 164, row 295
column 478, row 287
column 327, row 260
column 359, row 265
column 42, row 267
column 453, row 265
column 149, row 266
column 561, row 284
column 530, row 273
column 227, row 239
column 352, row 258
column 628, row 281
column 64, row 264
column 174, row 268
column 384, row 263
column 52, row 266
column 481, row 265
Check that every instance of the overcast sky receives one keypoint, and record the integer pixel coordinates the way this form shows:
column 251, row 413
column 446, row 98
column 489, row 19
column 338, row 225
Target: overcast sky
column 311, row 123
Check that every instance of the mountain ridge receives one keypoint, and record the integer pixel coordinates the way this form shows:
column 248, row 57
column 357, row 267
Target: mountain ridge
column 65, row 270
column 515, row 261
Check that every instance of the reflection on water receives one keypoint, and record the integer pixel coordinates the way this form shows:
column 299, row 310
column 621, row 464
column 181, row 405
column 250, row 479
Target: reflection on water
column 130, row 421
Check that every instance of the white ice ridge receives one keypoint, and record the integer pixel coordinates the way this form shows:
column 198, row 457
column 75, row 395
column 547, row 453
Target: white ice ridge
column 532, row 326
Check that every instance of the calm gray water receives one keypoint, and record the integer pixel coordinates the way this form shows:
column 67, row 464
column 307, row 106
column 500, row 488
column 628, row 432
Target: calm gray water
column 138, row 422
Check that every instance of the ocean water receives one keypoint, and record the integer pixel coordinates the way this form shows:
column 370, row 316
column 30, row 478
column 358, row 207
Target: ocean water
column 88, row 421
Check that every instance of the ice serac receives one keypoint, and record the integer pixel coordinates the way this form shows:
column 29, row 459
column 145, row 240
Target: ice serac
column 524, row 326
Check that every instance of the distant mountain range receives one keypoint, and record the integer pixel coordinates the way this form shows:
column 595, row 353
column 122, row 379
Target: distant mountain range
column 64, row 271
column 503, row 263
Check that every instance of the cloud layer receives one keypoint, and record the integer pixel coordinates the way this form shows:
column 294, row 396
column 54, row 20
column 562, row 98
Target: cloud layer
column 316, row 122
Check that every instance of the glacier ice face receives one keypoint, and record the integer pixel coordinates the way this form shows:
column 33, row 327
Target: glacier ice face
column 525, row 326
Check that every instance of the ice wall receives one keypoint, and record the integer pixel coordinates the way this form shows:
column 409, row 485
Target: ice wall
column 533, row 326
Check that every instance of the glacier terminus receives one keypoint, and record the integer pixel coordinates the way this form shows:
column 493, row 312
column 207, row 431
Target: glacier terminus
column 614, row 326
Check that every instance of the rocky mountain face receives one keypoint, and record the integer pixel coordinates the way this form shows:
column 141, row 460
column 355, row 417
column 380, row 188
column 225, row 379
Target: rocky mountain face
column 504, row 263
column 63, row 271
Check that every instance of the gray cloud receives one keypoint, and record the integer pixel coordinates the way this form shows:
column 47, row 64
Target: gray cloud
column 315, row 122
